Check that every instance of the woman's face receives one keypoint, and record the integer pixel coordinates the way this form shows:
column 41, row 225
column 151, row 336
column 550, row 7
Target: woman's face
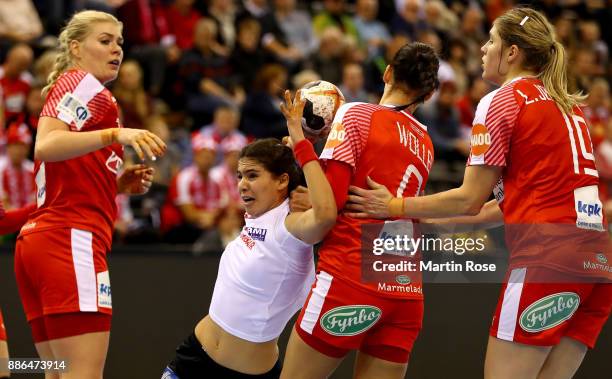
column 100, row 53
column 259, row 190
column 492, row 53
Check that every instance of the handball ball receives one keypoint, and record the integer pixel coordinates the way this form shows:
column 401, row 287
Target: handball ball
column 322, row 101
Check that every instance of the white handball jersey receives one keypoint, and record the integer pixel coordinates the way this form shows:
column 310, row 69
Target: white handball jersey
column 264, row 277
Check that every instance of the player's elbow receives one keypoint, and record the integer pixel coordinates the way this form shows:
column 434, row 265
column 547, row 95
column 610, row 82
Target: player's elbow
column 41, row 152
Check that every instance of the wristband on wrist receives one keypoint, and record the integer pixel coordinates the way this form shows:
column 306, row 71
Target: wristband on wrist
column 110, row 136
column 304, row 152
column 396, row 207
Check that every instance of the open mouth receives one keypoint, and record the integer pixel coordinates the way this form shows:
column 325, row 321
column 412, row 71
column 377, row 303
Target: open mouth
column 115, row 63
column 247, row 200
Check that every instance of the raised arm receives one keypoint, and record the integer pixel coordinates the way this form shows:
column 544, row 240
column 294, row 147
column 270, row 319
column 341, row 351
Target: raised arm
column 55, row 142
column 312, row 225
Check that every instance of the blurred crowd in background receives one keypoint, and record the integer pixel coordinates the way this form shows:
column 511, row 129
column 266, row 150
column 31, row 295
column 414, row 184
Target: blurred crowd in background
column 207, row 76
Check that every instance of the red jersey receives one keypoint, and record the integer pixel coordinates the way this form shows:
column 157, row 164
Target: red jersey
column 189, row 187
column 17, row 183
column 394, row 149
column 14, row 93
column 79, row 192
column 548, row 189
column 228, row 184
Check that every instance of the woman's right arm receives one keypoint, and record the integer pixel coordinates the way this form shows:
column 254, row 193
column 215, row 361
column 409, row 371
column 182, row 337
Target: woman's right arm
column 55, row 142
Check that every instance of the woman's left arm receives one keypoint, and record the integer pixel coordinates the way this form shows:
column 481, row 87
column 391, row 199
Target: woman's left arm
column 468, row 199
column 312, row 225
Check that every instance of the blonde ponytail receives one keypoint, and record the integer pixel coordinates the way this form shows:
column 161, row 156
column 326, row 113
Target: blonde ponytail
column 77, row 29
column 534, row 35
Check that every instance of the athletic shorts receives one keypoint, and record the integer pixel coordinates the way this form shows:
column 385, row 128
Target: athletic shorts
column 62, row 271
column 2, row 328
column 540, row 314
column 192, row 362
column 338, row 317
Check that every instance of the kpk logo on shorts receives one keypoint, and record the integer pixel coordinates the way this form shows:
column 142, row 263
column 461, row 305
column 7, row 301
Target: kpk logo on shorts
column 104, row 290
column 549, row 311
column 350, row 320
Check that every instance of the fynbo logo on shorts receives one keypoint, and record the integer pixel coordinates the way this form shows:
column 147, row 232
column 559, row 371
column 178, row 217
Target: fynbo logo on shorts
column 350, row 320
column 549, row 311
column 480, row 140
column 402, row 279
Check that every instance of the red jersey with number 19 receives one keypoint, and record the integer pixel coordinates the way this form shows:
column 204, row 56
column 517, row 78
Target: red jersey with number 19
column 393, row 149
column 79, row 192
column 548, row 190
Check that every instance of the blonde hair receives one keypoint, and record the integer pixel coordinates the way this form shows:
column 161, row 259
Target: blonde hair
column 77, row 29
column 535, row 36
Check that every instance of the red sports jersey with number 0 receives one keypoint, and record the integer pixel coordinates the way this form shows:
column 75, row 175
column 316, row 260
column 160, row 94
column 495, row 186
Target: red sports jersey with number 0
column 393, row 149
column 79, row 192
column 548, row 189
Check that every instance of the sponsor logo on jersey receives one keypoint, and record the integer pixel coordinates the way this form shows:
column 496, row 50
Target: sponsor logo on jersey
column 248, row 241
column 402, row 279
column 258, row 234
column 169, row 374
column 549, row 311
column 336, row 135
column 114, row 163
column 350, row 320
column 71, row 106
column 480, row 140
column 105, row 299
column 600, row 263
column 589, row 213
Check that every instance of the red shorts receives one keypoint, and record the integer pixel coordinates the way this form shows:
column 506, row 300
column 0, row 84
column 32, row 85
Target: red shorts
column 338, row 318
column 536, row 313
column 2, row 329
column 62, row 271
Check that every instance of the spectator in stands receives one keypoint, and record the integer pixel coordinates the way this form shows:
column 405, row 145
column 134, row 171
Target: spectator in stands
column 225, row 125
column 597, row 110
column 329, row 58
column 167, row 166
column 254, row 8
column 193, row 200
column 261, row 114
column 441, row 115
column 352, row 85
column 209, row 79
column 223, row 12
column 373, row 34
column 247, row 56
column 135, row 104
column 457, row 59
column 16, row 170
column 408, row 20
column 375, row 67
column 182, row 20
column 43, row 65
column 15, row 80
column 224, row 174
column 19, row 21
column 477, row 89
column 583, row 69
column 590, row 37
column 334, row 14
column 288, row 34
column 472, row 33
column 149, row 40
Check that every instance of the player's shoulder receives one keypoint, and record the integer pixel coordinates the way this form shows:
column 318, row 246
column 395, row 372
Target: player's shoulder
column 358, row 109
column 80, row 84
column 502, row 97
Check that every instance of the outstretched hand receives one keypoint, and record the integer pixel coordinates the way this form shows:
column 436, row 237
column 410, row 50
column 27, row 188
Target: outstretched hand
column 135, row 180
column 293, row 111
column 369, row 203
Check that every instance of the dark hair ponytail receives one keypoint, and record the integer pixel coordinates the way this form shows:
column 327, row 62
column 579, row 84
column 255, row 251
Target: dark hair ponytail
column 415, row 68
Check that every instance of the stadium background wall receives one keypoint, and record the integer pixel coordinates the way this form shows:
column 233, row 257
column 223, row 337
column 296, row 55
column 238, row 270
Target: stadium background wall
column 160, row 294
